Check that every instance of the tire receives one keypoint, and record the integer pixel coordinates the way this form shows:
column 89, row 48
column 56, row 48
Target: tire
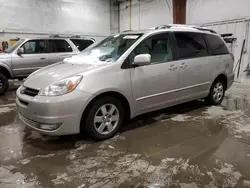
column 101, row 124
column 216, row 93
column 4, row 84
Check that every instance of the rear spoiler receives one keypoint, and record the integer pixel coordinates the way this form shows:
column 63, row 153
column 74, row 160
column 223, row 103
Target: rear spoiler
column 226, row 35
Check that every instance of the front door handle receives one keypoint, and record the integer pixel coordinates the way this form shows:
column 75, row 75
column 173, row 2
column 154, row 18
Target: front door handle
column 42, row 58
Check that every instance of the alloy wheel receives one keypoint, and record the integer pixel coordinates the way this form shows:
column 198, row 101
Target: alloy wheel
column 106, row 119
column 218, row 91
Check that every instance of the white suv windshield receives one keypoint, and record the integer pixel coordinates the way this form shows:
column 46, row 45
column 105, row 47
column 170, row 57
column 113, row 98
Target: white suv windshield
column 12, row 48
column 111, row 48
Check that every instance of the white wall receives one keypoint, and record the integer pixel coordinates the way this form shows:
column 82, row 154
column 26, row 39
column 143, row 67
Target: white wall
column 82, row 17
column 114, row 17
column 145, row 14
column 204, row 11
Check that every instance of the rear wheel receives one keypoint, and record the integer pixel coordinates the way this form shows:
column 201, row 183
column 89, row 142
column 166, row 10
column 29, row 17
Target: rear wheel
column 217, row 93
column 104, row 118
column 4, row 84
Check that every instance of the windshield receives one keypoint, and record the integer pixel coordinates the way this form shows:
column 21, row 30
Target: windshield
column 12, row 48
column 111, row 48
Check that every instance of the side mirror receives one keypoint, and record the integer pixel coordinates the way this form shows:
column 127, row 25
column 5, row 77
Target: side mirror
column 142, row 59
column 20, row 51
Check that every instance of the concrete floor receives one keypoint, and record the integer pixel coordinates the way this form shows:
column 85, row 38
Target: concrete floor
column 187, row 146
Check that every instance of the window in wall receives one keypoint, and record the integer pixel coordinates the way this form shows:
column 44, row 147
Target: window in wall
column 34, row 47
column 59, row 46
column 190, row 45
column 216, row 45
column 158, row 46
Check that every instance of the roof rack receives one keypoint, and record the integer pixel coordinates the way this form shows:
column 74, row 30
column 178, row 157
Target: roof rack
column 163, row 27
column 59, row 36
column 72, row 37
column 75, row 36
column 204, row 29
column 186, row 26
column 54, row 36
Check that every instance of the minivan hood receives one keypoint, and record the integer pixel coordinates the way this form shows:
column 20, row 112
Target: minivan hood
column 49, row 75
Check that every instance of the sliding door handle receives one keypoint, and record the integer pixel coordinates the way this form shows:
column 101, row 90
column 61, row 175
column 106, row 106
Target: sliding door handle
column 183, row 65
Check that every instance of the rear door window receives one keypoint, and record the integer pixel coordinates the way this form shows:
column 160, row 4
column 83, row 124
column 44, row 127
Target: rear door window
column 190, row 45
column 81, row 44
column 59, row 46
column 34, row 47
column 216, row 45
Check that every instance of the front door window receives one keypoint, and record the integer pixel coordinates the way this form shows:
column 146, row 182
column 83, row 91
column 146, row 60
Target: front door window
column 158, row 46
column 34, row 47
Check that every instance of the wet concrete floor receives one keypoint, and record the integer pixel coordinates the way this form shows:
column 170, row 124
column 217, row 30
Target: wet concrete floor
column 186, row 146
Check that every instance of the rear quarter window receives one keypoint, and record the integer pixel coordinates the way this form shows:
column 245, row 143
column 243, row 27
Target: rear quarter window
column 81, row 44
column 216, row 45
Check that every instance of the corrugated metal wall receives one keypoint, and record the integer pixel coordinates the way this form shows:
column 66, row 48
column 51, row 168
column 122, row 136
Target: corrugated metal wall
column 145, row 14
column 240, row 30
column 83, row 17
column 226, row 16
column 205, row 11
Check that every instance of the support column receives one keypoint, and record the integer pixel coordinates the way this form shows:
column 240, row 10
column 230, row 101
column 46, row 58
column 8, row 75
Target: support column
column 179, row 11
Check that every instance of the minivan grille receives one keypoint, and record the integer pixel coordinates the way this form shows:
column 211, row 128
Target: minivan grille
column 30, row 92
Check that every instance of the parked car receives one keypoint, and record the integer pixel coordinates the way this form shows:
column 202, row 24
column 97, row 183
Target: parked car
column 28, row 55
column 123, row 76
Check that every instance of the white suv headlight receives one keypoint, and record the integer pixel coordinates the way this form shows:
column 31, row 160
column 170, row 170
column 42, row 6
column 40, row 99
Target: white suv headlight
column 61, row 87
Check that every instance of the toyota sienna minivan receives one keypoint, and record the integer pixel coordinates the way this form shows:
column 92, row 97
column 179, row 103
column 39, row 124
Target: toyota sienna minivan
column 123, row 76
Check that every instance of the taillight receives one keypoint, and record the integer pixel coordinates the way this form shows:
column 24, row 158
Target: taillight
column 232, row 57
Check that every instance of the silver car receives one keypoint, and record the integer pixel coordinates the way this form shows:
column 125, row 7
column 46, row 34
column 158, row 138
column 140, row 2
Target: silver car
column 123, row 76
column 28, row 55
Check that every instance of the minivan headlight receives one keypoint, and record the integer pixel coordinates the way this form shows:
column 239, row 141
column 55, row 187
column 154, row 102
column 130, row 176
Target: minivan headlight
column 61, row 87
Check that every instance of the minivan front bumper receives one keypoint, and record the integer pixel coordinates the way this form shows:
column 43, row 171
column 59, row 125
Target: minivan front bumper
column 58, row 115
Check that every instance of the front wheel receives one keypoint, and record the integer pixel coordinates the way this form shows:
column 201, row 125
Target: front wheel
column 217, row 93
column 4, row 84
column 104, row 118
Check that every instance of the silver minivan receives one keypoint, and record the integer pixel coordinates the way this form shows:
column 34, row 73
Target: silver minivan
column 123, row 76
column 28, row 55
